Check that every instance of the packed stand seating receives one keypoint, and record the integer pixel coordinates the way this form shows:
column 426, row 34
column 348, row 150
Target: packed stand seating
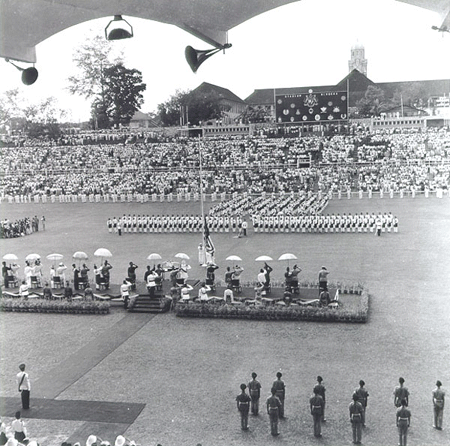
column 408, row 160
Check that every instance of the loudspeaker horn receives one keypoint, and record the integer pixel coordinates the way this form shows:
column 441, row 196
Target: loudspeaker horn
column 29, row 75
column 196, row 57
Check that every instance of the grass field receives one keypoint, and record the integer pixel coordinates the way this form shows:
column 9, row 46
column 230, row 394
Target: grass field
column 188, row 371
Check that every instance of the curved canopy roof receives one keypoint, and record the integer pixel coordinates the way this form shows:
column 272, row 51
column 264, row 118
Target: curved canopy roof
column 26, row 23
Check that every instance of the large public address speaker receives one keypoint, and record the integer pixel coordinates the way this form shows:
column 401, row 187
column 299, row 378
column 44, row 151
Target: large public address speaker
column 196, row 57
column 29, row 75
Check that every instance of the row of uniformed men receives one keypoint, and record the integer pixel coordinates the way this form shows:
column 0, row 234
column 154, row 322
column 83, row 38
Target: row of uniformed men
column 326, row 223
column 174, row 223
column 357, row 408
column 305, row 223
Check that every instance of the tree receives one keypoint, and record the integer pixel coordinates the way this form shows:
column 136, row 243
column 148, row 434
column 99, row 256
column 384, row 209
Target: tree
column 17, row 115
column 258, row 113
column 91, row 58
column 121, row 95
column 412, row 94
column 204, row 106
column 199, row 106
column 116, row 91
column 373, row 103
column 169, row 112
column 10, row 106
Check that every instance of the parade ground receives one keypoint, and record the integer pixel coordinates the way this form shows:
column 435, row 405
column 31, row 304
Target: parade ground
column 173, row 381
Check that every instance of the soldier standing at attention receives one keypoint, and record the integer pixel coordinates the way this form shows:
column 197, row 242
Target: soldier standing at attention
column 317, row 406
column 438, row 403
column 323, row 279
column 273, row 407
column 362, row 394
column 243, row 406
column 356, row 411
column 280, row 389
column 403, row 422
column 255, row 392
column 321, row 391
column 401, row 392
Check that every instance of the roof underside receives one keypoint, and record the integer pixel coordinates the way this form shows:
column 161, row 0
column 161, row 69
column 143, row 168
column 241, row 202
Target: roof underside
column 26, row 23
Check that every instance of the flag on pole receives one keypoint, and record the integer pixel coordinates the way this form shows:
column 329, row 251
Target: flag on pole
column 208, row 244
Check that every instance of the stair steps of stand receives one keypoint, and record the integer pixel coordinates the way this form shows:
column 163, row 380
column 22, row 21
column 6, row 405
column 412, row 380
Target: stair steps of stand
column 146, row 304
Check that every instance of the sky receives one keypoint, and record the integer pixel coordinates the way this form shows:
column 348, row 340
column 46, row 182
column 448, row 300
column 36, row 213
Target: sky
column 306, row 43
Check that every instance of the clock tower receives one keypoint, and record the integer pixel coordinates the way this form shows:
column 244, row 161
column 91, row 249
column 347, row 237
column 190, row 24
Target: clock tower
column 357, row 59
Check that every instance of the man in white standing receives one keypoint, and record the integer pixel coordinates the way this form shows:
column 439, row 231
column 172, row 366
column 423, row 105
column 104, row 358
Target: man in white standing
column 23, row 384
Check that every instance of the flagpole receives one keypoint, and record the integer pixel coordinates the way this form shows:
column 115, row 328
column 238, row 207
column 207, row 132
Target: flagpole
column 201, row 187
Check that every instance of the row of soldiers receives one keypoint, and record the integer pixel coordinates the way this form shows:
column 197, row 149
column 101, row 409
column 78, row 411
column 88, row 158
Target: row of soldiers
column 357, row 407
column 279, row 223
column 326, row 223
column 174, row 223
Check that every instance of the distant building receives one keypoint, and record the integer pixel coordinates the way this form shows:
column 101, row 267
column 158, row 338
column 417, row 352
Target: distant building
column 402, row 111
column 226, row 98
column 356, row 83
column 357, row 59
column 142, row 120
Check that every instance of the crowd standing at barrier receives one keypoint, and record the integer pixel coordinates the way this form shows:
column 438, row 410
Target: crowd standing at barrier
column 361, row 162
column 20, row 227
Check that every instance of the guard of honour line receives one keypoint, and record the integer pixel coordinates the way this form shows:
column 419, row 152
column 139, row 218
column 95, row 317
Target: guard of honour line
column 328, row 223
column 275, row 403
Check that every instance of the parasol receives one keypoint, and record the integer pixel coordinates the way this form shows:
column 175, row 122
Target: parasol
column 80, row 255
column 287, row 256
column 154, row 256
column 234, row 258
column 55, row 257
column 10, row 257
column 182, row 255
column 102, row 252
column 32, row 257
column 263, row 259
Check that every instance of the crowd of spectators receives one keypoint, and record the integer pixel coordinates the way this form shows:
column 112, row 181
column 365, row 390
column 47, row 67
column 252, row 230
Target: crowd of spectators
column 19, row 227
column 362, row 161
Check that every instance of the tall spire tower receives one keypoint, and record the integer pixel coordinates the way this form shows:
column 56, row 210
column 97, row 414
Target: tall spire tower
column 357, row 59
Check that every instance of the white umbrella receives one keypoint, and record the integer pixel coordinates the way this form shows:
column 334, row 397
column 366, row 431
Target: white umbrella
column 32, row 257
column 55, row 257
column 182, row 255
column 10, row 257
column 80, row 255
column 154, row 256
column 102, row 252
column 287, row 256
column 263, row 259
column 234, row 258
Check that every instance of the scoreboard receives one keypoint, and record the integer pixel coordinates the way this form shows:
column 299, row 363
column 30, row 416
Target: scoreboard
column 319, row 107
